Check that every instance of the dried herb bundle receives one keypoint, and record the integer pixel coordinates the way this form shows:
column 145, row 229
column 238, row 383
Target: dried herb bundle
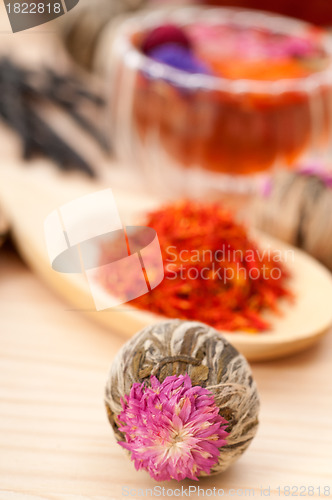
column 176, row 348
column 23, row 94
column 297, row 209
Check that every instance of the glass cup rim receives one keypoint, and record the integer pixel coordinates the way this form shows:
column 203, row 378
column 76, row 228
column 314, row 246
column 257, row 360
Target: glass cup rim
column 132, row 57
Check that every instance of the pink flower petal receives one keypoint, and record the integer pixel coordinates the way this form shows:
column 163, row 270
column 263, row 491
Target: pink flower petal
column 172, row 429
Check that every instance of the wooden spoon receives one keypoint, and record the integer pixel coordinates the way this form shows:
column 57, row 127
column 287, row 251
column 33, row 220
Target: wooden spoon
column 28, row 195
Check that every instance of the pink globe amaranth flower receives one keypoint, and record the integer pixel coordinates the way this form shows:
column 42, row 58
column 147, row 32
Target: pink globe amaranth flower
column 173, row 429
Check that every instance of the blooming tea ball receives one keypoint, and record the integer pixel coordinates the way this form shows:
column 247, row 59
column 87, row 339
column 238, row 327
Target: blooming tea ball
column 181, row 399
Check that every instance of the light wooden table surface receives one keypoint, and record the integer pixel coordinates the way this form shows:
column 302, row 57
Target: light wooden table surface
column 56, row 443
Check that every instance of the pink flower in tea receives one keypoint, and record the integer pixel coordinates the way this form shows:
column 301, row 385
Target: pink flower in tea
column 172, row 429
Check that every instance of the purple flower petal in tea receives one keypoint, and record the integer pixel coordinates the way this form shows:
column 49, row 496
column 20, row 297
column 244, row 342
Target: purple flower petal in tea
column 179, row 57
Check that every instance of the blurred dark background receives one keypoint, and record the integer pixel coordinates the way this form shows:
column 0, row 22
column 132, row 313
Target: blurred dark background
column 314, row 11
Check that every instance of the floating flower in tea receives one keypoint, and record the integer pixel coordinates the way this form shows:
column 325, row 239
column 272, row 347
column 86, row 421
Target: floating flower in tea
column 165, row 34
column 178, row 57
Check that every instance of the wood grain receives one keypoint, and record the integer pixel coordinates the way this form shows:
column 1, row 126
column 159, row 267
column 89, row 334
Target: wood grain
column 56, row 443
